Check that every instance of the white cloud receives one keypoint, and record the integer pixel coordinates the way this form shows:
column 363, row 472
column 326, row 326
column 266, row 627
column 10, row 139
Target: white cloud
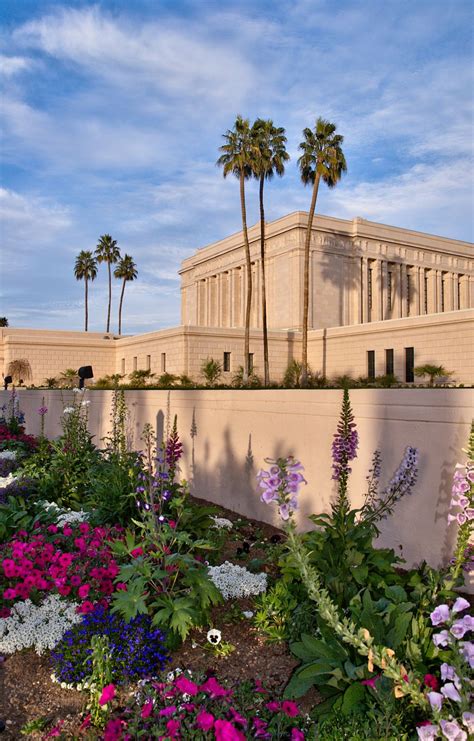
column 170, row 57
column 29, row 221
column 423, row 198
column 10, row 66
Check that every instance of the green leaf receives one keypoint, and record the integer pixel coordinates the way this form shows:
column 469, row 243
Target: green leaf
column 396, row 593
column 297, row 687
column 397, row 635
column 353, row 699
column 315, row 668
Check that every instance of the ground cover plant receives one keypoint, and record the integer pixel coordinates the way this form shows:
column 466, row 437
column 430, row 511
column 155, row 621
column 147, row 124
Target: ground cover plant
column 158, row 615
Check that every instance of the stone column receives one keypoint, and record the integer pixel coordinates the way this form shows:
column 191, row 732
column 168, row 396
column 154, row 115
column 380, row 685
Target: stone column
column 365, row 292
column 464, row 298
column 377, row 291
column 384, row 280
column 396, row 292
column 439, row 279
column 403, row 290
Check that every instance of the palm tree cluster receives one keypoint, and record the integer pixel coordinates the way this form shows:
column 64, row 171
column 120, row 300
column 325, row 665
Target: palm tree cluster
column 85, row 269
column 259, row 151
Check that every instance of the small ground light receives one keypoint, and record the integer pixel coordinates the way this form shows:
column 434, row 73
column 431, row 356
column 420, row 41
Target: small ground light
column 83, row 373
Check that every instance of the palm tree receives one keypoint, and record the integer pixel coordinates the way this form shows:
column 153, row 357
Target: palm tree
column 127, row 270
column 269, row 158
column 107, row 251
column 236, row 158
column 322, row 158
column 85, row 269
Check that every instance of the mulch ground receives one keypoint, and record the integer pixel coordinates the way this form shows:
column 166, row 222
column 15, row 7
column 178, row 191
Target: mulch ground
column 27, row 692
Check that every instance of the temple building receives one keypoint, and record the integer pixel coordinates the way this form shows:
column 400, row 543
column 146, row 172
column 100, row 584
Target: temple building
column 382, row 300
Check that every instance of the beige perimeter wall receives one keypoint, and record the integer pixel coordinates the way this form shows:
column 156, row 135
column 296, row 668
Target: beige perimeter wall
column 228, row 434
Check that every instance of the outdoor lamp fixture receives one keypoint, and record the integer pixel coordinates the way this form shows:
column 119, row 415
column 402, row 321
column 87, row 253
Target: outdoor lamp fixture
column 6, row 381
column 83, row 373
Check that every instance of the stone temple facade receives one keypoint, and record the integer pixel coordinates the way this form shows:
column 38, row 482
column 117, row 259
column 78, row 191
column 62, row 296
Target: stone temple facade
column 360, row 272
column 383, row 300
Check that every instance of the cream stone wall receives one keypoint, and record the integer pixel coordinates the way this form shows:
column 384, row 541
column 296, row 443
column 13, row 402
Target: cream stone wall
column 443, row 339
column 50, row 352
column 440, row 339
column 228, row 434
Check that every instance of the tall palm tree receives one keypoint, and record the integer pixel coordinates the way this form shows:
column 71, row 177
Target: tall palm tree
column 268, row 158
column 322, row 158
column 236, row 159
column 127, row 270
column 107, row 251
column 85, row 269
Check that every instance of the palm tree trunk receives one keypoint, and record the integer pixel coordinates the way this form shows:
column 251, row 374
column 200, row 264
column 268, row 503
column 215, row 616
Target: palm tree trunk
column 87, row 308
column 120, row 306
column 249, row 282
column 110, row 297
column 304, row 356
column 266, row 364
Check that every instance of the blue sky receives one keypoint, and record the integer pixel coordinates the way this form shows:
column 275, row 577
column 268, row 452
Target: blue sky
column 112, row 115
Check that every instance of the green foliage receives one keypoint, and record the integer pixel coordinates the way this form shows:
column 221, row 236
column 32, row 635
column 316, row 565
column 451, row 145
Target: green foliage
column 51, row 382
column 292, row 376
column 254, row 381
column 20, row 370
column 139, row 378
column 432, row 371
column 211, row 370
column 68, row 378
column 379, row 718
column 166, row 582
column 386, row 381
column 274, row 609
column 111, row 489
column 101, row 676
column 167, row 380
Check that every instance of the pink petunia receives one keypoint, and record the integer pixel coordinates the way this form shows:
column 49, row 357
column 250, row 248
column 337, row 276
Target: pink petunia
column 290, row 708
column 212, row 687
column 136, row 552
column 147, row 709
column 297, row 735
column 225, row 731
column 186, row 686
column 204, row 721
column 173, row 727
column 84, row 590
column 108, row 693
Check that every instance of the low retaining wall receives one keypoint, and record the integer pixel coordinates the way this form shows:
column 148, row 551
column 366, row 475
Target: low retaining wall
column 228, row 434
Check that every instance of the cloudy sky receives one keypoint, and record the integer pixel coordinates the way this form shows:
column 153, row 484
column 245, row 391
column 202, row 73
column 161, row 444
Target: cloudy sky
column 113, row 112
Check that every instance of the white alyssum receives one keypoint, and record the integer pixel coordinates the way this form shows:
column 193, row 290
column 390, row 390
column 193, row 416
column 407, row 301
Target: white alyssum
column 8, row 455
column 7, row 480
column 64, row 516
column 37, row 626
column 236, row 581
column 222, row 523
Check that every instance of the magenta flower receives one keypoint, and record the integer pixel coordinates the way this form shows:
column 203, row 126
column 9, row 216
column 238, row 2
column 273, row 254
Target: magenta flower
column 290, row 708
column 297, row 735
column 186, row 686
column 204, row 721
column 173, row 727
column 167, row 712
column 212, row 687
column 108, row 693
column 147, row 709
column 372, row 681
column 225, row 731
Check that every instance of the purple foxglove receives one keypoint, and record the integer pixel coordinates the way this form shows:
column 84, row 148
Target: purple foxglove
column 435, row 700
column 268, row 496
column 427, row 733
column 459, row 628
column 460, row 605
column 440, row 615
column 468, row 721
column 442, row 639
column 448, row 672
column 452, row 731
column 467, row 652
column 450, row 691
column 284, row 512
